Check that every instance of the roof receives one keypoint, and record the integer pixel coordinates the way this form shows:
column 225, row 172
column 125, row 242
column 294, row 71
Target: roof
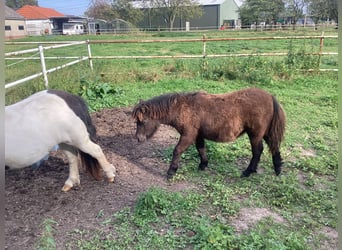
column 210, row 2
column 239, row 2
column 12, row 14
column 217, row 2
column 146, row 4
column 35, row 12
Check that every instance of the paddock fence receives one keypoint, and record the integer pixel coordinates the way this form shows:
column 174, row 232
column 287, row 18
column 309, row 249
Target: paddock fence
column 76, row 59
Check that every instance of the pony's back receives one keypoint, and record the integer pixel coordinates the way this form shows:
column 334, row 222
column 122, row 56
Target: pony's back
column 36, row 124
column 80, row 108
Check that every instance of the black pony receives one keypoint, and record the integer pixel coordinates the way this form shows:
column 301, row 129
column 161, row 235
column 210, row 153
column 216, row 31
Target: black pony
column 217, row 117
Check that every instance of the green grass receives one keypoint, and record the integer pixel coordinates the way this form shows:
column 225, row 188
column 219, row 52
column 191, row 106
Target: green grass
column 135, row 70
column 305, row 195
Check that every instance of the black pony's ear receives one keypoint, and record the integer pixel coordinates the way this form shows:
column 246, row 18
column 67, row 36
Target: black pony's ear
column 139, row 115
column 143, row 107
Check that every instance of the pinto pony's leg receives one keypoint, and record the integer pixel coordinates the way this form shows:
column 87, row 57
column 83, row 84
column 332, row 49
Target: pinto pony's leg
column 183, row 143
column 200, row 146
column 74, row 177
column 95, row 152
column 257, row 149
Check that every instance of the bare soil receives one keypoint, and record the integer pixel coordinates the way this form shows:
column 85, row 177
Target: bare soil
column 33, row 195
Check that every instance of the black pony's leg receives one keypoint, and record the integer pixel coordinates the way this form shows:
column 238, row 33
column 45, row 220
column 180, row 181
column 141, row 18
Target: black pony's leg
column 277, row 162
column 276, row 158
column 257, row 149
column 183, row 143
column 200, row 146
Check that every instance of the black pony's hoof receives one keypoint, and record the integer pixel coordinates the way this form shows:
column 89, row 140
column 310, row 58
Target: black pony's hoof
column 244, row 174
column 170, row 174
column 169, row 177
column 278, row 172
column 202, row 167
column 247, row 173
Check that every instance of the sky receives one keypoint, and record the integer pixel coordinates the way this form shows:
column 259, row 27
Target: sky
column 69, row 7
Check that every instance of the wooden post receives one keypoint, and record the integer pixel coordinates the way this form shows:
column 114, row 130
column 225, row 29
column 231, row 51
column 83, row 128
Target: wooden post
column 320, row 48
column 204, row 45
column 321, row 43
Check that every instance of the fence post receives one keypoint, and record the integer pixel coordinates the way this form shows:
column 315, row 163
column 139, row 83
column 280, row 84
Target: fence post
column 89, row 55
column 204, row 46
column 42, row 61
column 321, row 43
column 320, row 48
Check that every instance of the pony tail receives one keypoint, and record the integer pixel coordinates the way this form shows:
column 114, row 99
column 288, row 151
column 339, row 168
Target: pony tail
column 91, row 164
column 277, row 127
column 90, row 126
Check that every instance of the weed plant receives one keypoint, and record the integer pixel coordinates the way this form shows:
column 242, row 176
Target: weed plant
column 47, row 241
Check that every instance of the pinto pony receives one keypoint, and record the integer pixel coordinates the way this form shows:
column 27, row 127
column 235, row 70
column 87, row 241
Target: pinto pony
column 217, row 117
column 35, row 125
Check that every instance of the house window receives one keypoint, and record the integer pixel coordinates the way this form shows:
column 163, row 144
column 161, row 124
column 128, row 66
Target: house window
column 7, row 27
column 20, row 27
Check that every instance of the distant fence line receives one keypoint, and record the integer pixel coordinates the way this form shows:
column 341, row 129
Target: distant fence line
column 252, row 27
column 90, row 57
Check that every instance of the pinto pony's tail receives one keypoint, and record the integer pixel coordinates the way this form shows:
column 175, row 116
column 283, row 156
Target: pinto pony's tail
column 91, row 164
column 277, row 128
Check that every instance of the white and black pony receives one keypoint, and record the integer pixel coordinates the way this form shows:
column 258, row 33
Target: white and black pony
column 35, row 125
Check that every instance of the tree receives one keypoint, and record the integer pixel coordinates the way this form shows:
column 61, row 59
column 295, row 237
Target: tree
column 170, row 9
column 111, row 9
column 256, row 11
column 323, row 10
column 101, row 9
column 125, row 10
column 16, row 4
column 295, row 10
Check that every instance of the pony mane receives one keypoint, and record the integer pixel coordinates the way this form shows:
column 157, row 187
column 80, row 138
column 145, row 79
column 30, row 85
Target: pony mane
column 157, row 107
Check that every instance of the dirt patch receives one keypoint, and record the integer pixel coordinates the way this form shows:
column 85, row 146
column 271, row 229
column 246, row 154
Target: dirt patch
column 306, row 152
column 330, row 238
column 34, row 195
column 248, row 217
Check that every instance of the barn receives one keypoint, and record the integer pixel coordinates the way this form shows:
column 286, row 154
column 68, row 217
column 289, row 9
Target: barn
column 38, row 19
column 68, row 25
column 15, row 26
column 216, row 14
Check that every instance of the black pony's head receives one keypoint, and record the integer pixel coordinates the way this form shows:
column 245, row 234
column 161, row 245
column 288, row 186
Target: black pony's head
column 151, row 113
column 146, row 125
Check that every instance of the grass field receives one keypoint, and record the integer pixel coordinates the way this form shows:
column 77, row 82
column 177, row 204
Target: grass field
column 305, row 196
column 136, row 70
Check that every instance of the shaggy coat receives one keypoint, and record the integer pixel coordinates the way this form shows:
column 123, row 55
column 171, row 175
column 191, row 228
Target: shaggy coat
column 217, row 117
